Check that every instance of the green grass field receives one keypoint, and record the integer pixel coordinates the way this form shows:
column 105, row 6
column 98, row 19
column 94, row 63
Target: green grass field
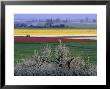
column 82, row 49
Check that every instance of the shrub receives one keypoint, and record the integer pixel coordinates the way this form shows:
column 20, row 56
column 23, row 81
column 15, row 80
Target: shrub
column 64, row 65
column 46, row 53
column 62, row 54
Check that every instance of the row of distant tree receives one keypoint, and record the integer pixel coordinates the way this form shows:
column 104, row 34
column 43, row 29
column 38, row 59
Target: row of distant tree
column 49, row 23
column 38, row 26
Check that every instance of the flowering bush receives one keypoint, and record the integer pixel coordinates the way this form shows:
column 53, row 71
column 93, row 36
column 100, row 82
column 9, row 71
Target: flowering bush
column 63, row 65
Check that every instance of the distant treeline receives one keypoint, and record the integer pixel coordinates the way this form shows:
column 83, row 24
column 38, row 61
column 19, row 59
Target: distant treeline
column 55, row 24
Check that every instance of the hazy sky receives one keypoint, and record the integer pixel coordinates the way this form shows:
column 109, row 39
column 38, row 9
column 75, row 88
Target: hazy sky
column 54, row 16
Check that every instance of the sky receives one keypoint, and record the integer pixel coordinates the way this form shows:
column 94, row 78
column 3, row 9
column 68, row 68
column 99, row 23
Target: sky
column 53, row 16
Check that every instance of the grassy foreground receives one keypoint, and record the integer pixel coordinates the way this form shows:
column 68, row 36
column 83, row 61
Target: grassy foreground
column 56, row 59
column 87, row 50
